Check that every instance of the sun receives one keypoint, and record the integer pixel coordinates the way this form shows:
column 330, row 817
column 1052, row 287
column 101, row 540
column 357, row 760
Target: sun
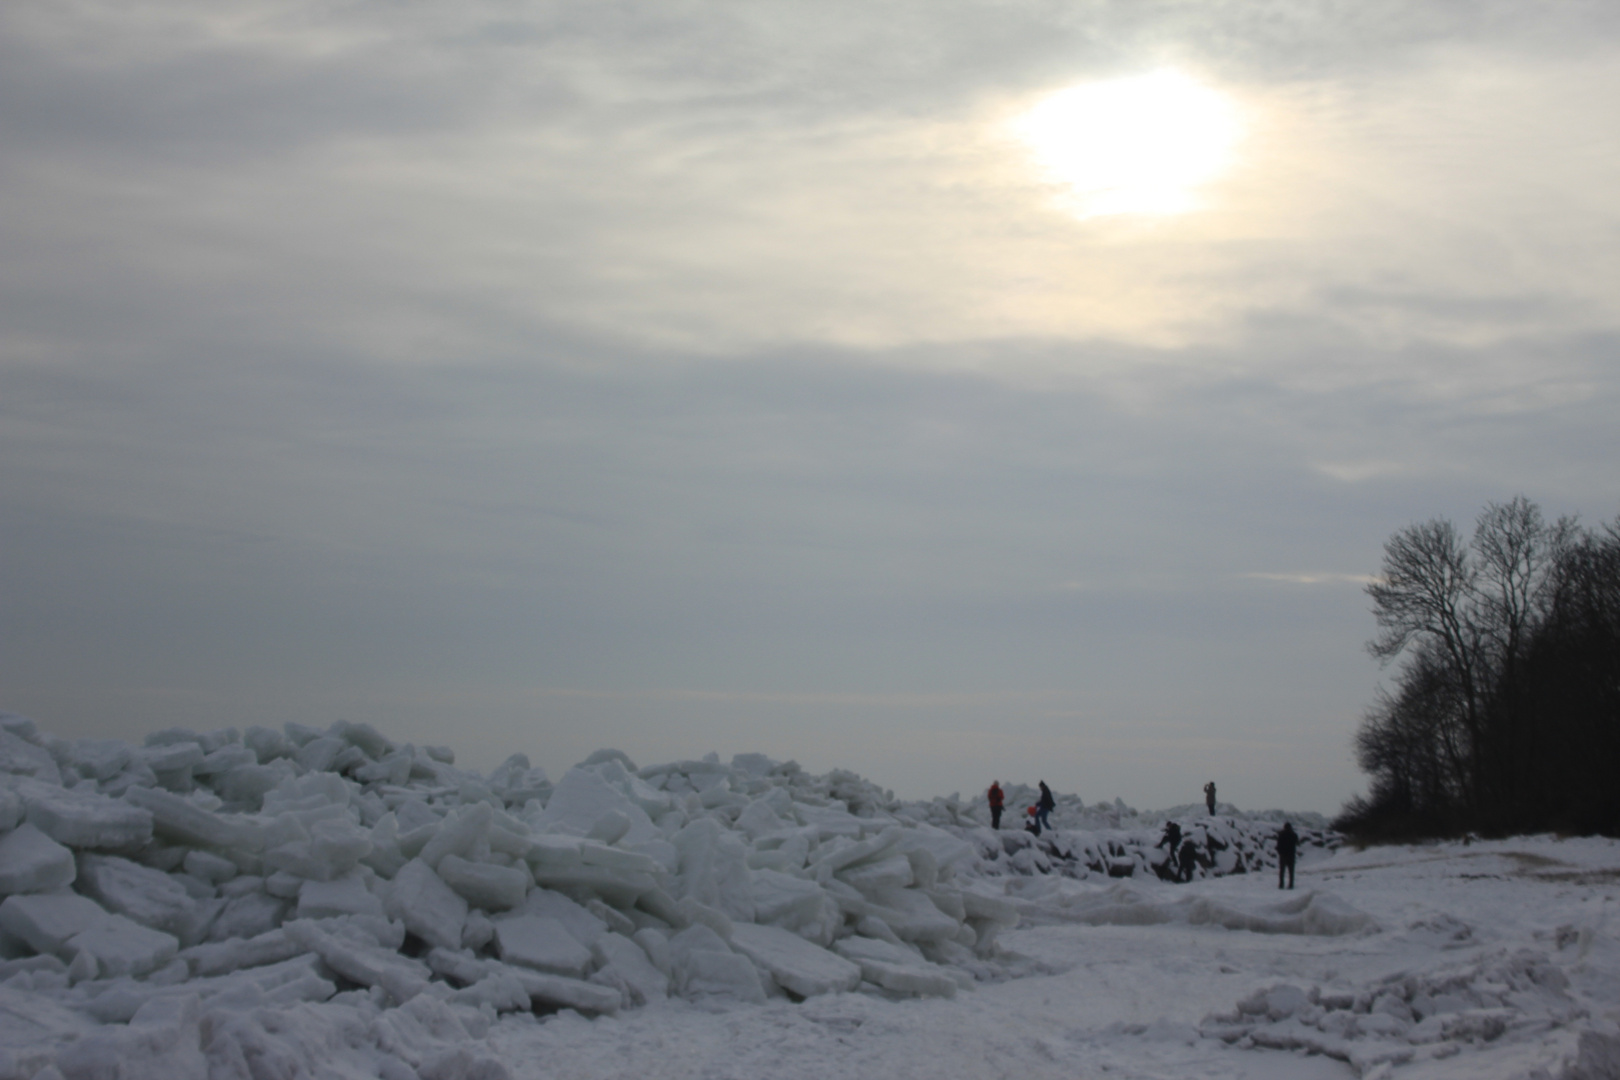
column 1139, row 145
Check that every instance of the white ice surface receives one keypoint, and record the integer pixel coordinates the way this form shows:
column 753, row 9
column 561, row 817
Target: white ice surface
column 1128, row 1000
column 328, row 903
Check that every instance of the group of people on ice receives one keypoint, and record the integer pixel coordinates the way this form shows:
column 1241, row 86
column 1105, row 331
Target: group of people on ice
column 1183, row 858
column 1183, row 854
column 1039, row 816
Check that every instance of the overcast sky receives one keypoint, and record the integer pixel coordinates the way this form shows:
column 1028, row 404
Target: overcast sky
column 698, row 376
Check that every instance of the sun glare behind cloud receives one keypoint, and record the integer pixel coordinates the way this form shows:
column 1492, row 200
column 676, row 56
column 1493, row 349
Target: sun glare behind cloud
column 1138, row 145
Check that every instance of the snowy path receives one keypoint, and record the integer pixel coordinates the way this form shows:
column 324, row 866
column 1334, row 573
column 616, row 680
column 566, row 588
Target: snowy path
column 1126, row 1001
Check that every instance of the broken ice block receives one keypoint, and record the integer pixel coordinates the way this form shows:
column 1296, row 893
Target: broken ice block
column 31, row 862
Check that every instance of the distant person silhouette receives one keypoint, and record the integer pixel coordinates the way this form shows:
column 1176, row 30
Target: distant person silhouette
column 1209, row 797
column 1189, row 859
column 1044, row 806
column 1172, row 837
column 997, row 801
column 1287, row 846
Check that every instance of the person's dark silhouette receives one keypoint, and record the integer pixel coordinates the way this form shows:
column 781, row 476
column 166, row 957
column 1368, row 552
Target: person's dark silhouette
column 1189, row 859
column 1287, row 846
column 997, row 801
column 1172, row 837
column 1209, row 797
column 1045, row 806
column 1032, row 823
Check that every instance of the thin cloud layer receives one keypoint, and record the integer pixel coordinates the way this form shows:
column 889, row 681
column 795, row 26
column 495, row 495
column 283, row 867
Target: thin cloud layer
column 695, row 377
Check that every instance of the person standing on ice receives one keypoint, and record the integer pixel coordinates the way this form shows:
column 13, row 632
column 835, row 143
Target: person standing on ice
column 997, row 801
column 1189, row 859
column 1044, row 806
column 1172, row 837
column 1209, row 797
column 1287, row 846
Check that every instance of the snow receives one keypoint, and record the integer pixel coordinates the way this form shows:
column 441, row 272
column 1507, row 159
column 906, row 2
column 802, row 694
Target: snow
column 301, row 902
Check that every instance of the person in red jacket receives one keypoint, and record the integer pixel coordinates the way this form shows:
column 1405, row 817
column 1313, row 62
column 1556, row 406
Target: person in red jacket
column 997, row 800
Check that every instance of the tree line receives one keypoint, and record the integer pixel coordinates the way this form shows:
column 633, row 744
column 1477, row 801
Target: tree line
column 1504, row 712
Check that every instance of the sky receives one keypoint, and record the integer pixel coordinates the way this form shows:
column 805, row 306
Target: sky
column 948, row 391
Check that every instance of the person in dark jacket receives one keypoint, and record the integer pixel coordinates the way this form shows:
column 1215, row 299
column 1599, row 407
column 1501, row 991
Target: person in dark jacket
column 1287, row 846
column 1209, row 797
column 997, row 801
column 1189, row 859
column 1172, row 837
column 1045, row 806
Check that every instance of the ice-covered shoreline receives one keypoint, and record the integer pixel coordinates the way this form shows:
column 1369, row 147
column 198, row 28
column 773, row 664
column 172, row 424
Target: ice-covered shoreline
column 271, row 905
column 266, row 868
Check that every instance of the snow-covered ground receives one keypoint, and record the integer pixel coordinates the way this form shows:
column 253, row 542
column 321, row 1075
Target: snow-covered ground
column 275, row 905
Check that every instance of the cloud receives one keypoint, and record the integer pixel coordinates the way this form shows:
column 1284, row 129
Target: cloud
column 1313, row 578
column 575, row 371
column 426, row 185
column 1355, row 472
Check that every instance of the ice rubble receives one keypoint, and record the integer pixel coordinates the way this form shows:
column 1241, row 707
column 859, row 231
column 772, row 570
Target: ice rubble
column 249, row 905
column 246, row 904
column 1415, row 1017
column 1113, row 840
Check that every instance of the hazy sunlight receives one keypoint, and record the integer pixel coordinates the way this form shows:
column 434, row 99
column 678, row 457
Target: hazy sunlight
column 1137, row 145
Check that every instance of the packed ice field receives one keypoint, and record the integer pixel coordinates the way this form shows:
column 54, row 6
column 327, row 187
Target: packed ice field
column 276, row 905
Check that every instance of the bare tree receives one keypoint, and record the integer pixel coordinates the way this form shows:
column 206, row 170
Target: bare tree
column 1516, row 551
column 1505, row 710
column 1426, row 601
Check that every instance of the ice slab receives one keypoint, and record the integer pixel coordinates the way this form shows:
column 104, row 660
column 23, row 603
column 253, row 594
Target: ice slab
column 895, row 969
column 369, row 965
column 581, row 923
column 247, row 915
column 46, row 921
column 334, row 847
column 541, row 942
column 704, row 966
column 149, row 897
column 270, row 947
column 84, row 819
column 584, row 804
column 798, row 966
column 625, row 965
column 185, row 822
column 485, row 885
column 429, row 908
column 347, row 895
column 121, row 946
column 19, row 757
column 31, row 862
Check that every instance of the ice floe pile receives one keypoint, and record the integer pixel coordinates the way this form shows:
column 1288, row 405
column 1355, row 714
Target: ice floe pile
column 266, row 904
column 1112, row 840
column 182, row 901
column 1418, row 1017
